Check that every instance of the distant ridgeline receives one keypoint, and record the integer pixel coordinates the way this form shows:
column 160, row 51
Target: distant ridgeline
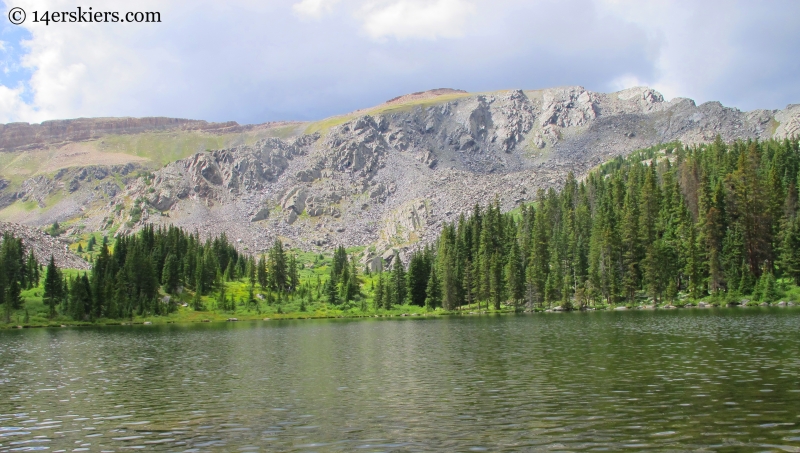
column 662, row 225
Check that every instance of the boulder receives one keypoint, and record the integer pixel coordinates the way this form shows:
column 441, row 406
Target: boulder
column 163, row 201
column 295, row 200
column 262, row 214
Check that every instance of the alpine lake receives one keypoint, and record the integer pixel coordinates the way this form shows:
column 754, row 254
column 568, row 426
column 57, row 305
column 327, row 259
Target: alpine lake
column 704, row 380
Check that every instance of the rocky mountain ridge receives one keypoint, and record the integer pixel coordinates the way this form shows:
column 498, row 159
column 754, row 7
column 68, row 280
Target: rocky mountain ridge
column 21, row 136
column 390, row 176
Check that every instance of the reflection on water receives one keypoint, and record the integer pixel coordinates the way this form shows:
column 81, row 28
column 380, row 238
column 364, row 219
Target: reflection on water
column 693, row 380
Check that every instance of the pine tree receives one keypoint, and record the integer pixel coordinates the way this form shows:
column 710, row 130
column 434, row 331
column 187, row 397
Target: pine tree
column 277, row 267
column 433, row 291
column 630, row 238
column 293, row 278
column 53, row 290
column 468, row 284
column 790, row 257
column 263, row 282
column 418, row 273
column 222, row 301
column 515, row 274
column 495, row 281
column 32, row 271
column 769, row 292
column 449, row 285
column 169, row 276
column 399, row 282
column 378, row 297
column 230, row 272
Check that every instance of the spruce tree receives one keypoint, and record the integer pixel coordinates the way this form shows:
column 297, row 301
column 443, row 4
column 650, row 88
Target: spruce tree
column 399, row 282
column 790, row 256
column 169, row 276
column 53, row 289
column 433, row 291
column 378, row 293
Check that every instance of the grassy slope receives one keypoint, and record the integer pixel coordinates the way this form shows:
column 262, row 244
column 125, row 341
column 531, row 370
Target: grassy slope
column 152, row 149
column 326, row 124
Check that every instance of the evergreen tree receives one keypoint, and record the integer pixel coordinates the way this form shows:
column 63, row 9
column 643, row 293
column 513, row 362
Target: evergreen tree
column 419, row 271
column 293, row 278
column 53, row 289
column 379, row 292
column 515, row 274
column 263, row 282
column 790, row 256
column 433, row 291
column 399, row 289
column 277, row 267
column 32, row 271
column 170, row 276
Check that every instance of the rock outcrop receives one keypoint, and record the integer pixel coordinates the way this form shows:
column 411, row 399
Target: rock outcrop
column 44, row 246
column 394, row 174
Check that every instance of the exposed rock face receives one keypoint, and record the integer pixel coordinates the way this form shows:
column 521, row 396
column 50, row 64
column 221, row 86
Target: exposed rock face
column 394, row 174
column 44, row 246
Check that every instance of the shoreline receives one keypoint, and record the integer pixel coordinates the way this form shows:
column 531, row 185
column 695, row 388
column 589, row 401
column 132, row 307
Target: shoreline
column 186, row 318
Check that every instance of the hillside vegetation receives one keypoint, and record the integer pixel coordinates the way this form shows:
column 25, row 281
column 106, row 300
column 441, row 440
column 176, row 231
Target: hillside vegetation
column 666, row 226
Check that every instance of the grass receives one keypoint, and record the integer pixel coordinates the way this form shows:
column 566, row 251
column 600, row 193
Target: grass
column 162, row 148
column 152, row 149
column 290, row 308
column 323, row 126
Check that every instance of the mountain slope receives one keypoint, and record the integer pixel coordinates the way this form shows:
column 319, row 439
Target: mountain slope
column 392, row 174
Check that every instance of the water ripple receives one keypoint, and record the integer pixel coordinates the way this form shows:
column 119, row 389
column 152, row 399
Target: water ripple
column 722, row 380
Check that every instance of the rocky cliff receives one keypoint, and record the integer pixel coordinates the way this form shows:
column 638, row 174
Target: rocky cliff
column 392, row 175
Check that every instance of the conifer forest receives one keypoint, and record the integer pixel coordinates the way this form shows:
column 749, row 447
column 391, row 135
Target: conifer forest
column 665, row 226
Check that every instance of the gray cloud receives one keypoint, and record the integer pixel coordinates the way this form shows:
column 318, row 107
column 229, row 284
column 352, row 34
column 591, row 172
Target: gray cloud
column 253, row 62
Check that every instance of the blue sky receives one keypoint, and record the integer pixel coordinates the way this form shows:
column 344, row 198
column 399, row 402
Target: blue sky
column 255, row 61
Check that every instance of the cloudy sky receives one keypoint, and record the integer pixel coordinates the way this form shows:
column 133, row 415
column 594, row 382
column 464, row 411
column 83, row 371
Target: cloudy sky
column 263, row 60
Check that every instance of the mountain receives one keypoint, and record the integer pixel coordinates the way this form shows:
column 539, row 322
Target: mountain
column 387, row 176
column 45, row 246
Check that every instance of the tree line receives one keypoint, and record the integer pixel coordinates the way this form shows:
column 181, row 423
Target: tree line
column 693, row 221
column 661, row 224
column 18, row 270
column 130, row 280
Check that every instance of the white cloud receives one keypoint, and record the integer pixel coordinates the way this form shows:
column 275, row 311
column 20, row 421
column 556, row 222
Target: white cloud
column 11, row 106
column 626, row 81
column 254, row 61
column 425, row 19
column 314, row 8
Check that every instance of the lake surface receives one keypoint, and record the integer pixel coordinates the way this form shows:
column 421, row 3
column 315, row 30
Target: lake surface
column 684, row 380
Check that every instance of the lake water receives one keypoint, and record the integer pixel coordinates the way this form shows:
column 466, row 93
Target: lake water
column 684, row 380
